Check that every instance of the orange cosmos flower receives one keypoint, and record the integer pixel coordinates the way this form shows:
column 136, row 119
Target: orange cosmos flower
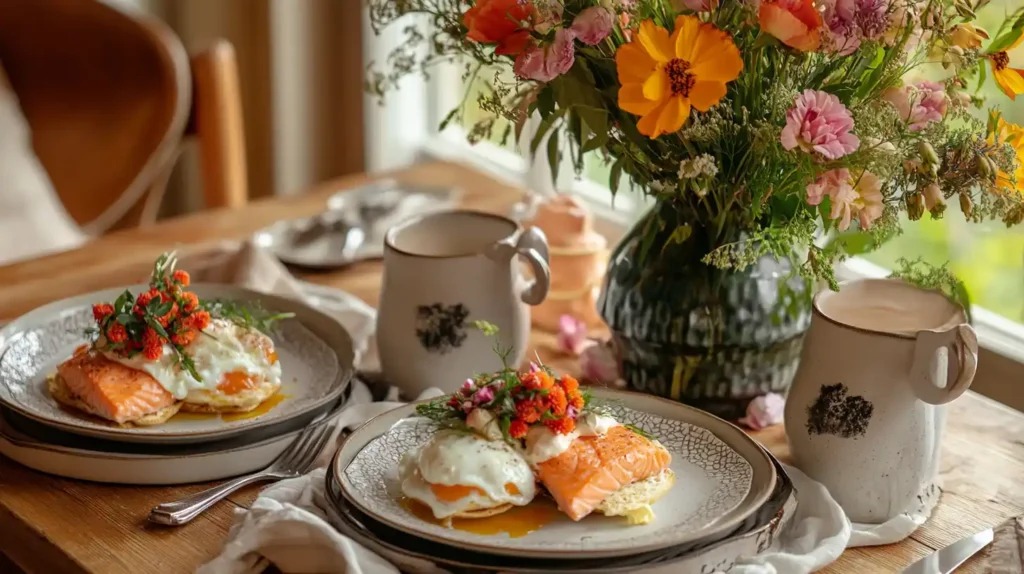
column 1010, row 80
column 662, row 76
column 502, row 22
column 794, row 22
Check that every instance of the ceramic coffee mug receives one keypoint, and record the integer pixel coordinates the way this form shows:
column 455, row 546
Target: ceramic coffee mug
column 444, row 271
column 864, row 414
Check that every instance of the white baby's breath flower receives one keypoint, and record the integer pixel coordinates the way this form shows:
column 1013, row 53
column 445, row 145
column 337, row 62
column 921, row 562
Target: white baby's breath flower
column 701, row 165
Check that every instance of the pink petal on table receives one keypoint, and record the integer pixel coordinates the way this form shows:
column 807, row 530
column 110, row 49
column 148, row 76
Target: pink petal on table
column 764, row 411
column 572, row 335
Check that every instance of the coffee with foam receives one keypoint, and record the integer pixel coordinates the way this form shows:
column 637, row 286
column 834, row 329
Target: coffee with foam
column 889, row 307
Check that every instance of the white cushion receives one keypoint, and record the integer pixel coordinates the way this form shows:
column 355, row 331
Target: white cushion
column 33, row 222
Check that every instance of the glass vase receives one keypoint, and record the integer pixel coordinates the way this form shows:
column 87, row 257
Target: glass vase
column 691, row 332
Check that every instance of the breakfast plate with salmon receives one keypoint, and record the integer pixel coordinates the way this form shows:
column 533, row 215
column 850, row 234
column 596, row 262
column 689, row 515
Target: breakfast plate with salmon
column 170, row 361
column 530, row 463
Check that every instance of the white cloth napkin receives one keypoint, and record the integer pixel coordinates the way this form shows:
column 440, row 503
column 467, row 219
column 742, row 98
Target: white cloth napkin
column 820, row 530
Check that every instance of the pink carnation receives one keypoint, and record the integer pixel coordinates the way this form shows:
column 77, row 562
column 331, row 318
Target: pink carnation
column 859, row 197
column 548, row 62
column 592, row 25
column 819, row 122
column 849, row 22
column 919, row 105
column 826, row 184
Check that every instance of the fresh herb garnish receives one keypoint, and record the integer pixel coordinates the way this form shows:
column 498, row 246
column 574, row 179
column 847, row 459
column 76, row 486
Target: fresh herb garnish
column 250, row 315
column 167, row 316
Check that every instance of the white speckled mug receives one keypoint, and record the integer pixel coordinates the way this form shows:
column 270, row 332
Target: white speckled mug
column 864, row 415
column 442, row 272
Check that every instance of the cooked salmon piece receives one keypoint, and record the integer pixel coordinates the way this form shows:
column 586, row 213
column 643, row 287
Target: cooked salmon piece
column 111, row 390
column 594, row 467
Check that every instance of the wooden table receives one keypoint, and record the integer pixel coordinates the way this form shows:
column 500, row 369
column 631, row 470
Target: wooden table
column 49, row 524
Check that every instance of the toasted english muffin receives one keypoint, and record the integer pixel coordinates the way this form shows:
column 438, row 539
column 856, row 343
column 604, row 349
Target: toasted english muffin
column 634, row 500
column 211, row 402
column 63, row 395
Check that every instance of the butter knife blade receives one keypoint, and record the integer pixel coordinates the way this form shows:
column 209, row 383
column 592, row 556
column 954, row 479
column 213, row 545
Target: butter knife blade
column 948, row 559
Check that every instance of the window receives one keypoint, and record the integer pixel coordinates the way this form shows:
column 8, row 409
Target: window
column 448, row 87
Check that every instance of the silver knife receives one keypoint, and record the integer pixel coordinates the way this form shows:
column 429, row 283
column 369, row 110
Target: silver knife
column 948, row 559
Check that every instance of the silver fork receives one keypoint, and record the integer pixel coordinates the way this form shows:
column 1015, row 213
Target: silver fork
column 291, row 463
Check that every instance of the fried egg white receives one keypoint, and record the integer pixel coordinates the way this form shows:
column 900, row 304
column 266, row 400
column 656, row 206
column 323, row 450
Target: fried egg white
column 238, row 368
column 461, row 474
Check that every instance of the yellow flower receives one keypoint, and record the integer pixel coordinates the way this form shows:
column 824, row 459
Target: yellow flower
column 1007, row 133
column 968, row 36
column 662, row 76
column 1010, row 80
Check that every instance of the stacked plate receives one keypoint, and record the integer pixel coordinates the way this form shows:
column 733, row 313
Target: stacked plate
column 729, row 500
column 316, row 356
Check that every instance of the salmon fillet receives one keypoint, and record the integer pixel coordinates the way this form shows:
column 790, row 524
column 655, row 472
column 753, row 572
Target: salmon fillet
column 112, row 390
column 594, row 467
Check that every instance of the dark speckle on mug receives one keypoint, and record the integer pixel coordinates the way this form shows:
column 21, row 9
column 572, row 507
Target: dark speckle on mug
column 441, row 328
column 837, row 414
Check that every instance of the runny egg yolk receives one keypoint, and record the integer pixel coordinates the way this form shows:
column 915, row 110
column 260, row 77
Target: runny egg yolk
column 237, row 381
column 458, row 491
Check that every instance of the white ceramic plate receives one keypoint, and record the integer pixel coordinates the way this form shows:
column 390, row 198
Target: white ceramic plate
column 315, row 351
column 715, row 463
column 84, row 458
column 756, row 535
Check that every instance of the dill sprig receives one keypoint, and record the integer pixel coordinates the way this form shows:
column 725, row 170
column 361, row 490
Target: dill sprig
column 248, row 315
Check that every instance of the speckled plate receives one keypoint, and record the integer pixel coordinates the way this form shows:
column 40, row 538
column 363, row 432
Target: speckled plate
column 315, row 351
column 756, row 534
column 716, row 466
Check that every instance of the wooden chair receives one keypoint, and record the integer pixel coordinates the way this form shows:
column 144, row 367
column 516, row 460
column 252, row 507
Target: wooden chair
column 111, row 97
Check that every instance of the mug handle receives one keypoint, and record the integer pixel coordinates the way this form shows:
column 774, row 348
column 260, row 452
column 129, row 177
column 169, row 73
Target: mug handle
column 961, row 345
column 533, row 246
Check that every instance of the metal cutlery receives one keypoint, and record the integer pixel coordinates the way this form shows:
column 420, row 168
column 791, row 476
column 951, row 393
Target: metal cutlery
column 293, row 462
column 948, row 559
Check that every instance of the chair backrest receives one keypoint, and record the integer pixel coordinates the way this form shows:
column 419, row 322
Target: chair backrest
column 109, row 97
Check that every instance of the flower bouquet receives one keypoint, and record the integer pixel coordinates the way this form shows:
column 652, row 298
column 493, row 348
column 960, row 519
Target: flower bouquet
column 776, row 137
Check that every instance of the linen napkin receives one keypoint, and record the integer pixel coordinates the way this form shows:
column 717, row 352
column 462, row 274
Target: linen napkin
column 820, row 530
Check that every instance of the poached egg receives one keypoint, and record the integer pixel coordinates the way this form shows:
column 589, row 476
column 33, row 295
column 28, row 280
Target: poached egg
column 460, row 473
column 238, row 368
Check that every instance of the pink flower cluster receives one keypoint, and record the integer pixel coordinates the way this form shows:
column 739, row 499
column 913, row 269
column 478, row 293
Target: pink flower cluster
column 849, row 22
column 920, row 104
column 546, row 60
column 819, row 122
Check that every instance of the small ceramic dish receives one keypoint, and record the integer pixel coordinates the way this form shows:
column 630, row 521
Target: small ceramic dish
column 722, row 477
column 315, row 351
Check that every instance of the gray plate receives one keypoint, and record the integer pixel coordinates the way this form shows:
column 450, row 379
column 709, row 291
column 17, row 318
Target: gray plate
column 755, row 535
column 717, row 466
column 315, row 351
column 353, row 226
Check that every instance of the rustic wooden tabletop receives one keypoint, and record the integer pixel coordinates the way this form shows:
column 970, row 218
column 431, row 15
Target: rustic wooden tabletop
column 50, row 524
